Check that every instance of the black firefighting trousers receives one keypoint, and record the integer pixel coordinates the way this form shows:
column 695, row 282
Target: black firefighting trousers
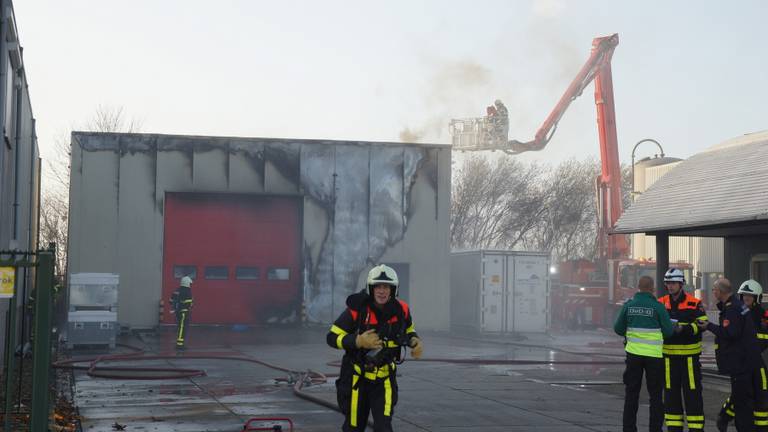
column 357, row 396
column 682, row 377
column 633, row 380
column 760, row 393
column 182, row 324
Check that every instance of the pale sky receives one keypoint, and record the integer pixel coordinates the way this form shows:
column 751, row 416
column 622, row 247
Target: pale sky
column 687, row 73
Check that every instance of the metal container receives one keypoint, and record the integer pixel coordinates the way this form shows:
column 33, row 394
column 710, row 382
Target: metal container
column 92, row 328
column 500, row 291
column 92, row 317
column 93, row 291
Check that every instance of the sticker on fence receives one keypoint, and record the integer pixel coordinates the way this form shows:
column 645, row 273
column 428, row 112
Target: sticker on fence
column 7, row 277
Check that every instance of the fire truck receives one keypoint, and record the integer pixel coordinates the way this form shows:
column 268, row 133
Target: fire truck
column 584, row 293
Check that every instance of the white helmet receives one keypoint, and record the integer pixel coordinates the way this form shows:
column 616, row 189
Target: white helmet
column 674, row 275
column 382, row 274
column 751, row 287
column 186, row 281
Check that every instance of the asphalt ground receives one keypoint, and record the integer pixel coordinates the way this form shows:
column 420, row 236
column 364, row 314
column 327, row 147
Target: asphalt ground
column 434, row 396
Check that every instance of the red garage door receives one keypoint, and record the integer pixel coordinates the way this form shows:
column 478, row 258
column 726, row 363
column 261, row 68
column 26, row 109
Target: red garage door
column 242, row 252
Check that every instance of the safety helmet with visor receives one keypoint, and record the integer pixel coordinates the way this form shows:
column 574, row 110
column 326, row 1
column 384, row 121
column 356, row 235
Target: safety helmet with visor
column 674, row 275
column 751, row 287
column 382, row 274
column 186, row 281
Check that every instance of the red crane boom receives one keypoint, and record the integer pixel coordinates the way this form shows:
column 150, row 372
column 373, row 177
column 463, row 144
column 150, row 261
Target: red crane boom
column 610, row 207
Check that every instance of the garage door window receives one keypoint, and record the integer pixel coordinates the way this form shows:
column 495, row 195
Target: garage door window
column 247, row 273
column 216, row 272
column 179, row 271
column 278, row 273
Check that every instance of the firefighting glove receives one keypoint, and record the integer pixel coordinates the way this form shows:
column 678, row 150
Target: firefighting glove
column 417, row 348
column 368, row 340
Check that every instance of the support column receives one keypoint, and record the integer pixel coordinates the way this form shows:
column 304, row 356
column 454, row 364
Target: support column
column 662, row 261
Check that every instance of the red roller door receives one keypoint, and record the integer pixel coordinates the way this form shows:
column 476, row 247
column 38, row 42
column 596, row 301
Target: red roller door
column 243, row 253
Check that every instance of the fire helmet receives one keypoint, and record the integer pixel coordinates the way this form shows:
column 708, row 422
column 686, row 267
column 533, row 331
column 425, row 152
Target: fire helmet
column 750, row 287
column 674, row 275
column 186, row 281
column 382, row 274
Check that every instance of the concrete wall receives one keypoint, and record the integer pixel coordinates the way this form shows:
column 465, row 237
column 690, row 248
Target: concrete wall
column 364, row 203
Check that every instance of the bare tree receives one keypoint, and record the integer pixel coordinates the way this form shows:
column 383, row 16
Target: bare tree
column 54, row 206
column 568, row 226
column 516, row 205
column 111, row 119
column 494, row 205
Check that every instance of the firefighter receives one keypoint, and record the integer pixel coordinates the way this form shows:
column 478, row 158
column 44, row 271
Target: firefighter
column 736, row 351
column 682, row 369
column 181, row 302
column 643, row 322
column 502, row 121
column 371, row 331
column 750, row 292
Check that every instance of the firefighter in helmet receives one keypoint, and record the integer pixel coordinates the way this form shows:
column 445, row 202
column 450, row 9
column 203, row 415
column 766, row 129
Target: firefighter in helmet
column 181, row 304
column 501, row 120
column 751, row 293
column 372, row 331
column 682, row 369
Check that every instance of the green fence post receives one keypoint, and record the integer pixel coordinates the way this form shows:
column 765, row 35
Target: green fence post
column 42, row 346
column 10, row 356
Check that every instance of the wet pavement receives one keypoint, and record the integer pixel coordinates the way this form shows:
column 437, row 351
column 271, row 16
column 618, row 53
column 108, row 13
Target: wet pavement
column 434, row 396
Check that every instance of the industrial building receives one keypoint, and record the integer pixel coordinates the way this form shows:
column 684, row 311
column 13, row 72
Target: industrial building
column 704, row 254
column 271, row 230
column 718, row 193
column 19, row 165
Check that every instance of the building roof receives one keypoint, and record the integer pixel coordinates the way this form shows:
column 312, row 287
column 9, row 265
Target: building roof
column 711, row 193
column 174, row 141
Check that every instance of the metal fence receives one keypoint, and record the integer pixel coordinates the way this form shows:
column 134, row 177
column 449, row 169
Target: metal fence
column 40, row 305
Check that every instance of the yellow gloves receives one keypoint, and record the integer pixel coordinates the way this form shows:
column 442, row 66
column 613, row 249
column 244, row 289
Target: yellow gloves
column 417, row 348
column 368, row 340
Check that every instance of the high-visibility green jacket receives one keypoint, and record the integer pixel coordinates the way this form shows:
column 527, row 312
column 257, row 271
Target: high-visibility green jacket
column 645, row 323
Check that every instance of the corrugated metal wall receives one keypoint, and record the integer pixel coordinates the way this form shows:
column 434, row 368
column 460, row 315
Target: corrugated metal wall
column 706, row 254
column 19, row 163
column 363, row 203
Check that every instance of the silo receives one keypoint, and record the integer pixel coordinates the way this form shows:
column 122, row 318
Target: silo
column 640, row 170
column 639, row 244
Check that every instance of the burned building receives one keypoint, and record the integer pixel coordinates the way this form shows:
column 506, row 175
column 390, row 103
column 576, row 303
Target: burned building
column 271, row 230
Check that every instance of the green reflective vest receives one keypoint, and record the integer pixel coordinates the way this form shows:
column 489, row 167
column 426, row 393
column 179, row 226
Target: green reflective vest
column 645, row 323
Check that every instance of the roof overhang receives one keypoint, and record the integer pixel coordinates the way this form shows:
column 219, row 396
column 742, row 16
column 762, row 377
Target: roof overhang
column 722, row 191
column 719, row 229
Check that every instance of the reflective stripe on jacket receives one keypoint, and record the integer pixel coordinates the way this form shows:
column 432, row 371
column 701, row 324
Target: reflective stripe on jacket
column 686, row 310
column 644, row 342
column 644, row 322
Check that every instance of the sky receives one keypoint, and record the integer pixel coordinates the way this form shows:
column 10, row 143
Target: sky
column 689, row 74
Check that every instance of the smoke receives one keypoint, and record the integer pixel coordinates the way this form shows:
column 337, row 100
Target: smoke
column 453, row 88
column 410, row 136
column 529, row 75
column 548, row 8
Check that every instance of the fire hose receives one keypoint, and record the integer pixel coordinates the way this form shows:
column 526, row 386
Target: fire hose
column 94, row 368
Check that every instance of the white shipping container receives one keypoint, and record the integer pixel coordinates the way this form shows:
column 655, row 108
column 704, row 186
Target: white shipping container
column 500, row 291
